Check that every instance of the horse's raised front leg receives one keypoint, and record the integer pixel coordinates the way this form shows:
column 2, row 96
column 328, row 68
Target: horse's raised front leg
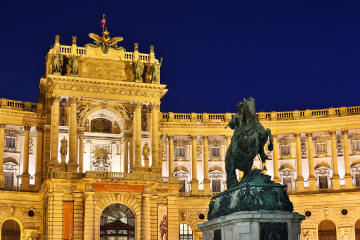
column 231, row 179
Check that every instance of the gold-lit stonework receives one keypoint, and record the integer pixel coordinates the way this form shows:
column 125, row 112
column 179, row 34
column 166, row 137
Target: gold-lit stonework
column 96, row 155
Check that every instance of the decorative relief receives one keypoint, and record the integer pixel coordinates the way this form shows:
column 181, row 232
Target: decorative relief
column 126, row 111
column 111, row 70
column 100, row 161
column 339, row 147
column 83, row 108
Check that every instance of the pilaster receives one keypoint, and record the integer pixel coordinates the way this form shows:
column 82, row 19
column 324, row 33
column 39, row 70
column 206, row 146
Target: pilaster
column 25, row 175
column 173, row 218
column 334, row 161
column 39, row 156
column 72, row 164
column 276, row 159
column 348, row 178
column 312, row 179
column 2, row 138
column 54, row 132
column 137, row 135
column 206, row 165
column 300, row 178
column 126, row 156
column 194, row 181
column 89, row 216
column 145, row 217
column 171, row 156
column 81, row 151
column 155, row 138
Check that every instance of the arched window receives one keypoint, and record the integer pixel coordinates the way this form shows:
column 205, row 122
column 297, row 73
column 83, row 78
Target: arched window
column 10, row 230
column 357, row 230
column 101, row 125
column 355, row 172
column 185, row 232
column 117, row 222
column 322, row 174
column 327, row 230
column 217, row 177
column 287, row 176
column 183, row 176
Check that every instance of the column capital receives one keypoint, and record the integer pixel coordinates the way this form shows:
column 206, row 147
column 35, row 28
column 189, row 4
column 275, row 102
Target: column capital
column 27, row 128
column 274, row 134
column 297, row 133
column 73, row 100
column 309, row 134
column 138, row 104
column 332, row 131
column 193, row 137
column 2, row 125
column 55, row 99
column 205, row 137
column 170, row 137
column 39, row 128
column 155, row 106
column 344, row 131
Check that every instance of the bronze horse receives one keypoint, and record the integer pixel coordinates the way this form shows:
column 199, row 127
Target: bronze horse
column 248, row 140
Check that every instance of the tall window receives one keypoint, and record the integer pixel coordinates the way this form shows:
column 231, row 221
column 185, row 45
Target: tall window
column 101, row 125
column 180, row 151
column 215, row 152
column 285, row 150
column 321, row 148
column 287, row 182
column 323, row 182
column 182, row 182
column 9, row 179
column 356, row 146
column 185, row 232
column 357, row 180
column 215, row 185
column 10, row 142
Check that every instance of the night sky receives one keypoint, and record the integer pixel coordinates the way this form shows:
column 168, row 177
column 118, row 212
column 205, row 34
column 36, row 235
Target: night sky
column 286, row 54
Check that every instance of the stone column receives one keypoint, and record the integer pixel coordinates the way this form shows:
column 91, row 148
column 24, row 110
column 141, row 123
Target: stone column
column 228, row 141
column 146, row 227
column 300, row 178
column 2, row 138
column 161, row 156
column 155, row 138
column 173, row 217
column 72, row 164
column 81, row 151
column 312, row 179
column 206, row 165
column 131, row 155
column 276, row 159
column 39, row 156
column 137, row 135
column 126, row 157
column 25, row 177
column 54, row 131
column 171, row 156
column 334, row 161
column 348, row 178
column 194, row 181
column 89, row 215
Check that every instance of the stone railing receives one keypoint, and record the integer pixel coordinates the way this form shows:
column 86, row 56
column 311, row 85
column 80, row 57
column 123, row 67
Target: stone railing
column 289, row 115
column 111, row 175
column 19, row 105
column 81, row 51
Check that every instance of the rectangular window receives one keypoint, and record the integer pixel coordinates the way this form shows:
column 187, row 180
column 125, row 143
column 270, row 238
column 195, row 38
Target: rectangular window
column 182, row 182
column 321, row 148
column 215, row 152
column 10, row 142
column 9, row 179
column 356, row 146
column 287, row 183
column 323, row 182
column 215, row 186
column 357, row 180
column 285, row 150
column 180, row 151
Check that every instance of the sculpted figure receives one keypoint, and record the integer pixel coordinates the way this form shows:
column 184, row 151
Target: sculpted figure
column 164, row 228
column 74, row 65
column 138, row 70
column 146, row 152
column 57, row 63
column 154, row 72
column 63, row 147
column 248, row 141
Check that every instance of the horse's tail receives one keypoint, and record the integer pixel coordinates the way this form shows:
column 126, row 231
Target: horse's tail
column 270, row 146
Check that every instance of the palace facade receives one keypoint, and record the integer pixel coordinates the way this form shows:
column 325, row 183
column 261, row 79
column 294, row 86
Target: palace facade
column 96, row 159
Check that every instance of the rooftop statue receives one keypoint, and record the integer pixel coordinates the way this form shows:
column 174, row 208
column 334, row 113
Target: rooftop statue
column 105, row 42
column 248, row 141
column 256, row 190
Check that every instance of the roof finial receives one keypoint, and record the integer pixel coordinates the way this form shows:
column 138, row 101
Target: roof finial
column 103, row 23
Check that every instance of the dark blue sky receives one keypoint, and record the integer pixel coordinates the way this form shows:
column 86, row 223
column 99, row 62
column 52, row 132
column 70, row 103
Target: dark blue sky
column 286, row 54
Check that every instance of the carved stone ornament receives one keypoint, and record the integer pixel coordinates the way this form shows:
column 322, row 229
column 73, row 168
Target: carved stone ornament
column 125, row 111
column 83, row 108
column 101, row 161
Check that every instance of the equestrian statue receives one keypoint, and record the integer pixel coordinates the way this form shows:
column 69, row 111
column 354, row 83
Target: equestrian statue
column 247, row 142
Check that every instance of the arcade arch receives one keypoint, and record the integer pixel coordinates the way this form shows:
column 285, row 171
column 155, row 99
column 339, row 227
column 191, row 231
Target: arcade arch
column 357, row 230
column 327, row 230
column 10, row 230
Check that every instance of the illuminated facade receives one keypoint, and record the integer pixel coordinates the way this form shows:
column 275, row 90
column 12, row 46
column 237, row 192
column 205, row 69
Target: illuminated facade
column 96, row 159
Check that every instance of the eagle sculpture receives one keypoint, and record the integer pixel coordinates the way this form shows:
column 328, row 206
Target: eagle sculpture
column 105, row 41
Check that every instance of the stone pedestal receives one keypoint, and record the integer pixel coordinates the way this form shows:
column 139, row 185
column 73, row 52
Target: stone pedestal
column 254, row 225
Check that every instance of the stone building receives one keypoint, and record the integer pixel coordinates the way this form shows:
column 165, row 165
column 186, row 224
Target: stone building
column 96, row 159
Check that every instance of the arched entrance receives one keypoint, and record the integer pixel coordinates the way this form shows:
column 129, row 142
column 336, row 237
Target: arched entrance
column 357, row 230
column 117, row 222
column 10, row 230
column 327, row 230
